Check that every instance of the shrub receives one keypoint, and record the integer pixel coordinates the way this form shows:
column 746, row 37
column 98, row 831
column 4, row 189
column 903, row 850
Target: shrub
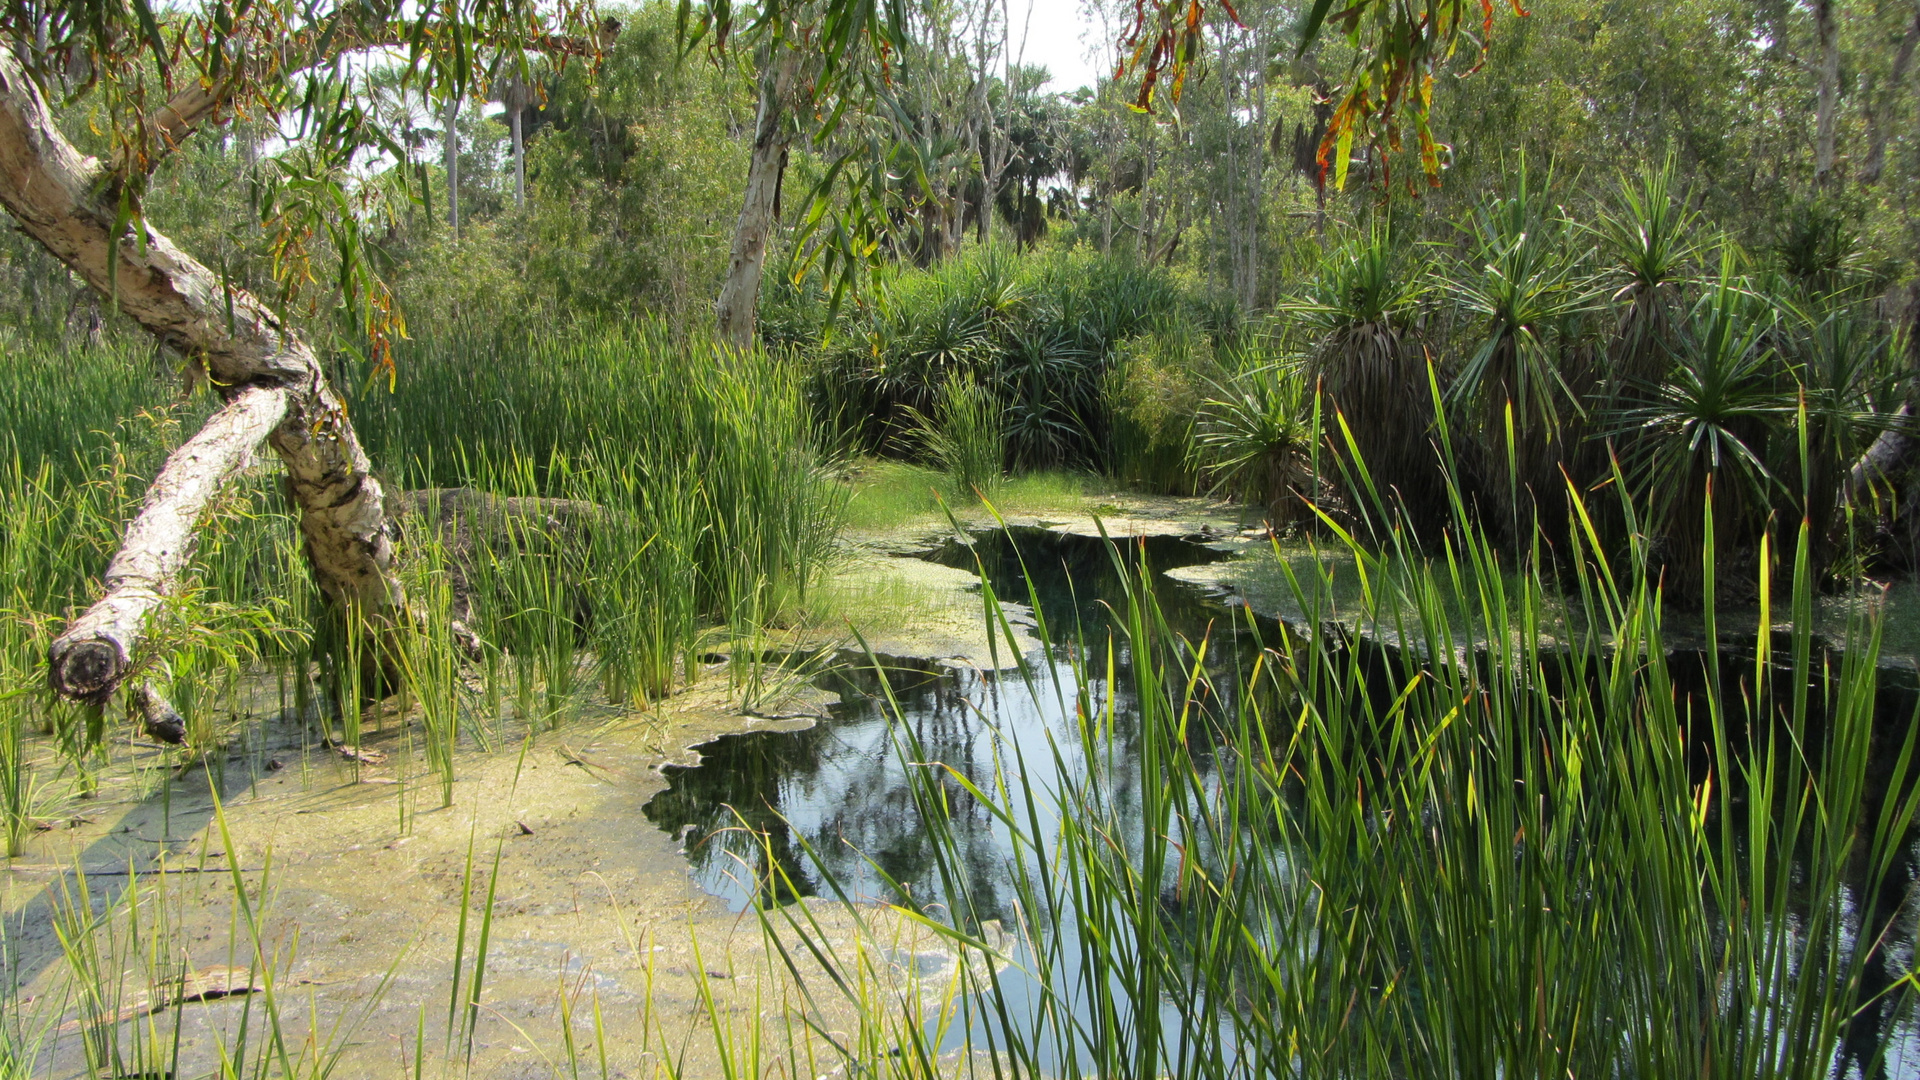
column 966, row 437
column 1152, row 394
column 1255, row 439
column 1039, row 332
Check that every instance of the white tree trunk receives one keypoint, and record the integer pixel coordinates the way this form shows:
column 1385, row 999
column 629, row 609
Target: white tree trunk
column 515, row 97
column 519, row 160
column 98, row 646
column 270, row 378
column 740, row 294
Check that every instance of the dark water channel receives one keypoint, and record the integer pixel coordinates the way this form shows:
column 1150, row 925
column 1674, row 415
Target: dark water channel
column 838, row 794
column 765, row 811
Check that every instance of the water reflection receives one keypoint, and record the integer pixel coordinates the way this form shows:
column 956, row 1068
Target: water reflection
column 759, row 800
column 842, row 789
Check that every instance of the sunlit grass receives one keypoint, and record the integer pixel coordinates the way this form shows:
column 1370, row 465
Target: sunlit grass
column 896, row 494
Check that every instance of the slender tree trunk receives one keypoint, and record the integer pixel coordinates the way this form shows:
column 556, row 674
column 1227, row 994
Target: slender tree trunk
column 519, row 163
column 955, row 218
column 1257, row 188
column 452, row 152
column 1828, row 90
column 987, row 146
column 740, row 293
column 515, row 96
column 270, row 379
column 1888, row 99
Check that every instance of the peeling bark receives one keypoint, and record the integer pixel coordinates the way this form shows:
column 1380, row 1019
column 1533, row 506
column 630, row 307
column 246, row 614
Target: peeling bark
column 516, row 97
column 735, row 311
column 1889, row 455
column 96, row 651
column 158, row 718
column 67, row 202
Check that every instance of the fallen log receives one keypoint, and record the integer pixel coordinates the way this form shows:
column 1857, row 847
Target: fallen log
column 71, row 204
column 95, row 653
column 469, row 523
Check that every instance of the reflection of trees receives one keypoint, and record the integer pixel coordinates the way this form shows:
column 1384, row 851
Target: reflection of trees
column 759, row 801
column 847, row 793
column 842, row 789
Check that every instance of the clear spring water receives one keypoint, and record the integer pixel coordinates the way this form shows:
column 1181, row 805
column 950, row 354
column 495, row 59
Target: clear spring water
column 839, row 795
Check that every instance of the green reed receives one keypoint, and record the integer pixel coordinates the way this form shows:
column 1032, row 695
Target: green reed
column 430, row 664
column 1492, row 822
column 700, row 496
column 625, row 416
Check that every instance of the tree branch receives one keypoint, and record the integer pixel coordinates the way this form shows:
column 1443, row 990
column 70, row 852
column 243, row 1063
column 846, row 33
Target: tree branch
column 95, row 653
column 68, row 202
column 202, row 101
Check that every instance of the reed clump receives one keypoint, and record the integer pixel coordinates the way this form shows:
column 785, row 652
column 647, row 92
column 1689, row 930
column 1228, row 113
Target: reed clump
column 1510, row 827
column 674, row 493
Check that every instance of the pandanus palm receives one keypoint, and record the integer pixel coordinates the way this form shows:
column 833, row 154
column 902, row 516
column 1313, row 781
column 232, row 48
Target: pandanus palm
column 1842, row 363
column 1255, row 438
column 1706, row 427
column 1650, row 242
column 1649, row 251
column 1519, row 392
column 1367, row 358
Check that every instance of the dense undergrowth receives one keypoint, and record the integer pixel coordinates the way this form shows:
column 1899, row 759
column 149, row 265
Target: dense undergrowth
column 1498, row 846
column 1561, row 332
column 686, row 501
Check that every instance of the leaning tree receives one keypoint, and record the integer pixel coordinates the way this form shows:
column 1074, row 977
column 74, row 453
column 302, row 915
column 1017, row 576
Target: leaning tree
column 159, row 75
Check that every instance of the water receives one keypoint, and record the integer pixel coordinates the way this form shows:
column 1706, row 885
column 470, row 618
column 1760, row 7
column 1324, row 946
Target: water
column 841, row 788
column 767, row 810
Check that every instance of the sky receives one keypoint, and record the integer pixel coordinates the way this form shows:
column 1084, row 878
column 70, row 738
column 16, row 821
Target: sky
column 1061, row 36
